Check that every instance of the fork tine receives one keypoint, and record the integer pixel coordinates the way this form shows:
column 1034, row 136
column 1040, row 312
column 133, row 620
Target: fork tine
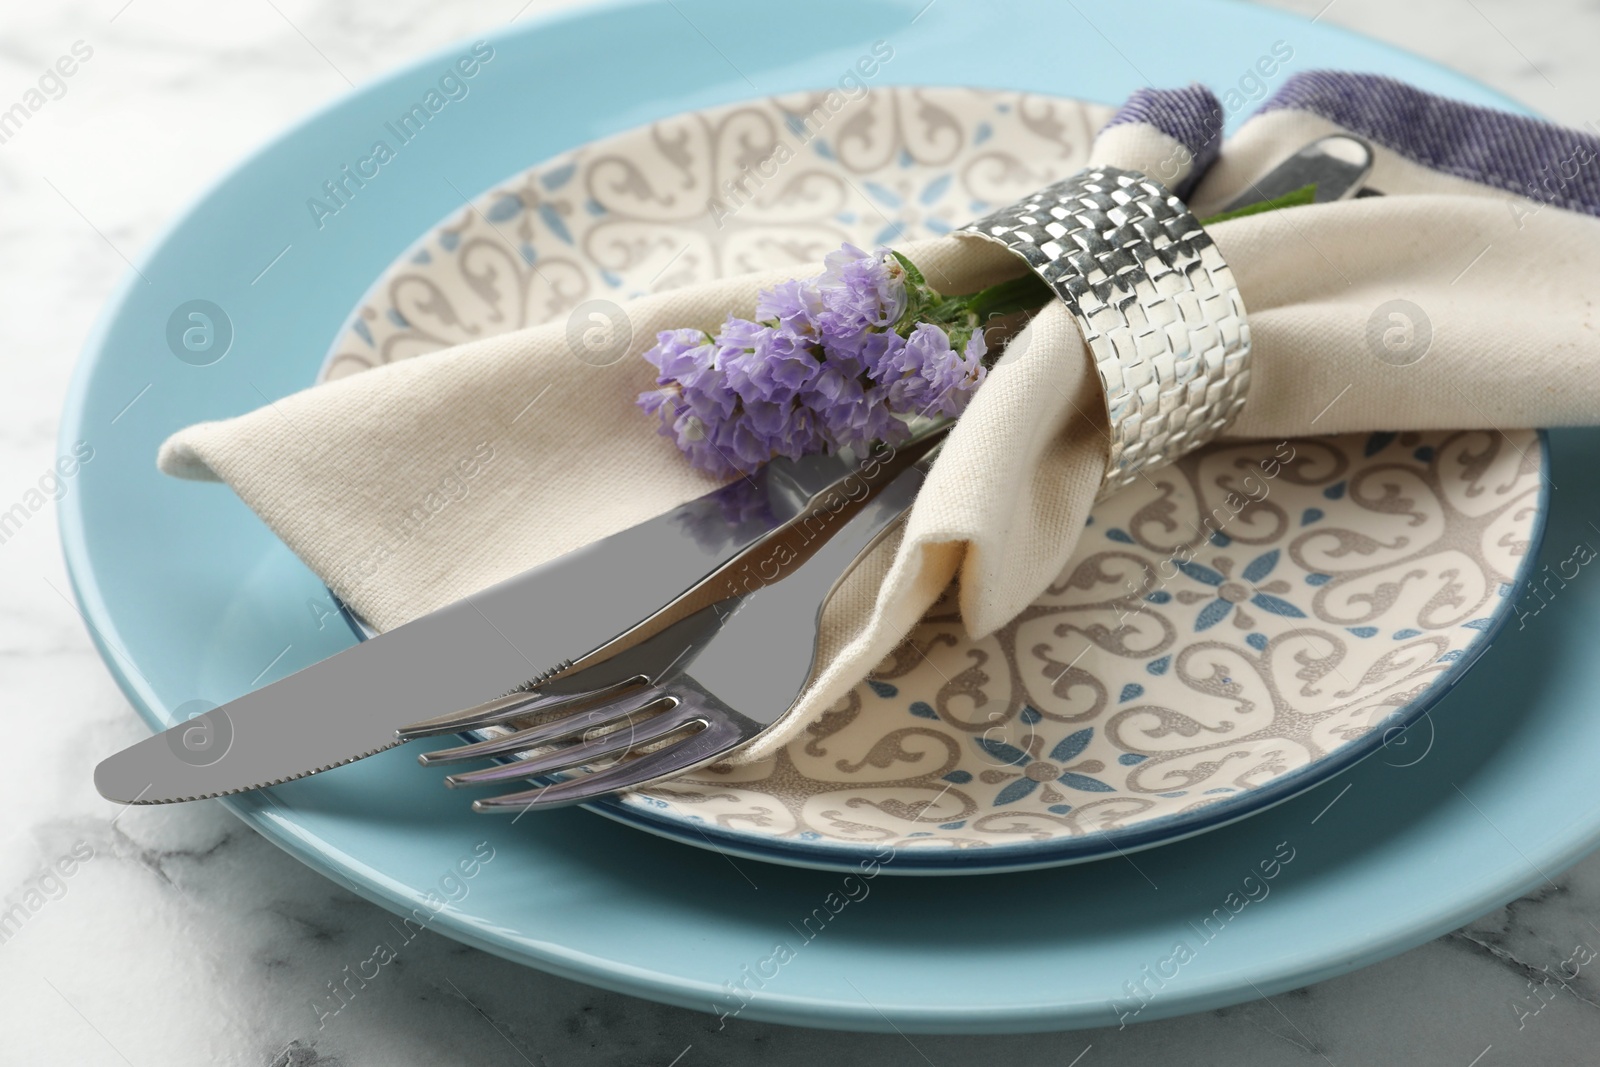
column 512, row 706
column 719, row 736
column 549, row 732
column 617, row 742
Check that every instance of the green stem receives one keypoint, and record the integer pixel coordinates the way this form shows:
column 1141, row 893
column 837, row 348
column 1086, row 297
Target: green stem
column 1025, row 293
column 1306, row 194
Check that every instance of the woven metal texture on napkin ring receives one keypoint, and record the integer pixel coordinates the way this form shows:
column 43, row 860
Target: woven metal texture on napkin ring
column 1157, row 305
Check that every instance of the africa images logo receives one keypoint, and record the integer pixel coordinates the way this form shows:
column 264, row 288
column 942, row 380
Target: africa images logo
column 341, row 189
column 50, row 85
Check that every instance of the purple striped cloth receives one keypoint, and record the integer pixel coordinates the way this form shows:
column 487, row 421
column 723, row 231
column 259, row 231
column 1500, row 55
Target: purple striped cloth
column 1524, row 156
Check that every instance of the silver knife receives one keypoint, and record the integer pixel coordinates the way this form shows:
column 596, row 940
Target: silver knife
column 1337, row 165
column 495, row 642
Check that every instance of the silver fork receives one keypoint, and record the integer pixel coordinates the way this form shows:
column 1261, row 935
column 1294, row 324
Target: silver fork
column 695, row 691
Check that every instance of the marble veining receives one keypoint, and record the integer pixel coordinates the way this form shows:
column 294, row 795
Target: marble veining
column 180, row 937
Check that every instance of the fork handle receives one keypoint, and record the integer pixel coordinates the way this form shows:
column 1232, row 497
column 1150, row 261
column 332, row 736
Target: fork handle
column 843, row 549
column 765, row 652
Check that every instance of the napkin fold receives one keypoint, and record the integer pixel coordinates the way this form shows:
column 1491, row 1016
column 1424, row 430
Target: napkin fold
column 1460, row 298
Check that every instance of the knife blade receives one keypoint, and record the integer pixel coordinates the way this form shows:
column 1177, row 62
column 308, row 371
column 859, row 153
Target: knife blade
column 494, row 642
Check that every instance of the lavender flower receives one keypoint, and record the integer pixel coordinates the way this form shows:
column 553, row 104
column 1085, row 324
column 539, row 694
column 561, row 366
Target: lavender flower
column 687, row 360
column 766, row 364
column 837, row 361
column 795, row 306
column 860, row 292
column 863, row 419
column 930, row 377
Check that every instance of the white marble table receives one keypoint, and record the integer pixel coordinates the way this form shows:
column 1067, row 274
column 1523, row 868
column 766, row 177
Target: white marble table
column 180, row 937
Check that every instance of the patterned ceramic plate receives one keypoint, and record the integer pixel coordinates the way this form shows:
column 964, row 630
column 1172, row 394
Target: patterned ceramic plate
column 1232, row 631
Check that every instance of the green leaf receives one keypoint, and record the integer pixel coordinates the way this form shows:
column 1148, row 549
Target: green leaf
column 1306, row 194
column 911, row 268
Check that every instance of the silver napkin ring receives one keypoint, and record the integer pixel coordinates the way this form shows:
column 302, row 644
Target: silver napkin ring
column 1157, row 304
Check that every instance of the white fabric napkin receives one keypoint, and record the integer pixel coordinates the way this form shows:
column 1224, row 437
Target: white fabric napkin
column 1492, row 263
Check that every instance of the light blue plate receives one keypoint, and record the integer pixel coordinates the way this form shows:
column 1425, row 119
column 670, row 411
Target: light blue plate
column 191, row 599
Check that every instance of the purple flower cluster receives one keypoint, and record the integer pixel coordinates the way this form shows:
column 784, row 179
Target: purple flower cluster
column 836, row 361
